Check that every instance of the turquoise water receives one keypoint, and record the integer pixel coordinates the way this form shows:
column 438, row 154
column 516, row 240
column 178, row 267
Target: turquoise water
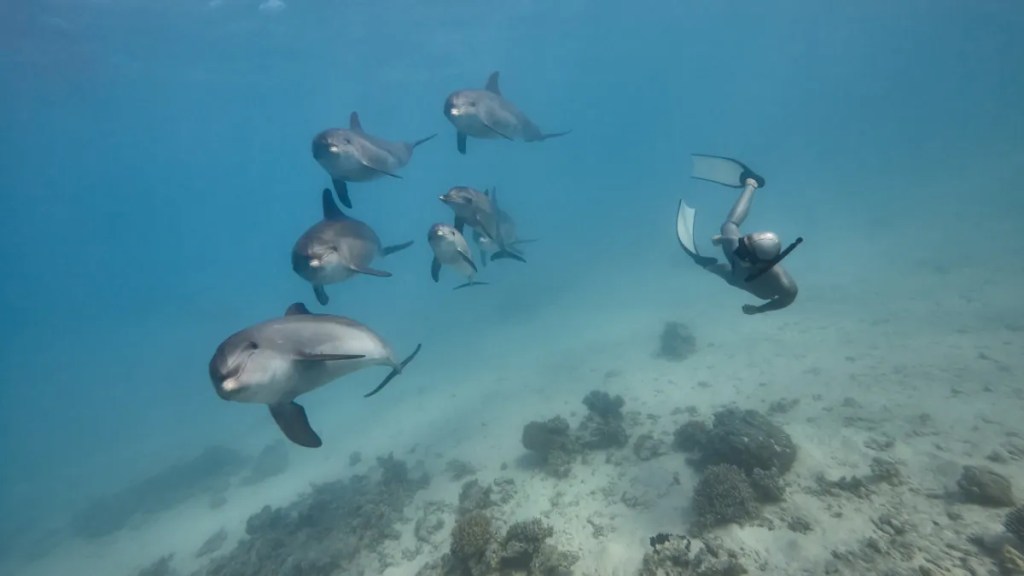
column 156, row 170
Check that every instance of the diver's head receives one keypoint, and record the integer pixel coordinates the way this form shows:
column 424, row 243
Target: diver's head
column 758, row 248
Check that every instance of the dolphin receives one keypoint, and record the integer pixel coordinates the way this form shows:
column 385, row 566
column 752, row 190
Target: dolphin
column 487, row 114
column 352, row 155
column 480, row 211
column 337, row 248
column 509, row 238
column 280, row 359
column 450, row 249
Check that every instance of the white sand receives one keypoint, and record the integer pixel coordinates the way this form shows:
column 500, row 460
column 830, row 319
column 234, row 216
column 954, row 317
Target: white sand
column 899, row 352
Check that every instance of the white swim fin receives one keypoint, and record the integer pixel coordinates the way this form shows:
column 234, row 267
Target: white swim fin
column 724, row 171
column 684, row 233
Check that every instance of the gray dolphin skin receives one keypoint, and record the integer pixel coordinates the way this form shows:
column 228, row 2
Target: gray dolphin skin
column 336, row 249
column 487, row 114
column 352, row 155
column 480, row 211
column 276, row 361
column 509, row 237
column 450, row 249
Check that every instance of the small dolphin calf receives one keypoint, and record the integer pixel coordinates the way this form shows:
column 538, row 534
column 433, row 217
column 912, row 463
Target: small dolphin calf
column 450, row 249
column 354, row 156
column 337, row 248
column 480, row 211
column 509, row 238
column 278, row 360
column 487, row 114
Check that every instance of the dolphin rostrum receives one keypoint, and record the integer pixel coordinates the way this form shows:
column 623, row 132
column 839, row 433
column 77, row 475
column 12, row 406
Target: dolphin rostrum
column 275, row 361
column 487, row 114
column 337, row 248
column 352, row 155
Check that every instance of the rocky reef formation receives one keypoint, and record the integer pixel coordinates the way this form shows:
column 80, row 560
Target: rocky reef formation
column 677, row 342
column 602, row 427
column 984, row 486
column 338, row 527
column 552, row 441
column 673, row 555
column 723, row 496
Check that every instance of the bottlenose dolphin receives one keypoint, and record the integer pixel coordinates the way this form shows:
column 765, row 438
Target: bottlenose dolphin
column 450, row 249
column 487, row 114
column 337, row 248
column 509, row 238
column 352, row 155
column 480, row 211
column 275, row 361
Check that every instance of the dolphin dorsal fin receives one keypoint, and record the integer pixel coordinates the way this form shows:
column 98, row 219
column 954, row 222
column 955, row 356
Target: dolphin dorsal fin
column 297, row 309
column 492, row 83
column 331, row 209
column 354, row 123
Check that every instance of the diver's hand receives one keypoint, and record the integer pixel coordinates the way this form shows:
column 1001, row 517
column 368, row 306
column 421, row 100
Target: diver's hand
column 716, row 240
column 750, row 309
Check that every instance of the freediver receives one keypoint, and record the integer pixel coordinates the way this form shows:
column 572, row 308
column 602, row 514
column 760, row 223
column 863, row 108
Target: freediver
column 752, row 260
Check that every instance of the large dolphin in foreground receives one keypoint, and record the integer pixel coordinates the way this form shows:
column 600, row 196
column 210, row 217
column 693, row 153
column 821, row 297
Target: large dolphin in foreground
column 337, row 248
column 278, row 360
column 487, row 114
column 352, row 155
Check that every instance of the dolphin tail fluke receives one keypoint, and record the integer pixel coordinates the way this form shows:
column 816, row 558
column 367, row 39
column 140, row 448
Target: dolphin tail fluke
column 291, row 419
column 321, row 294
column 394, row 372
column 389, row 250
column 422, row 140
column 470, row 283
column 341, row 189
column 502, row 254
column 460, row 142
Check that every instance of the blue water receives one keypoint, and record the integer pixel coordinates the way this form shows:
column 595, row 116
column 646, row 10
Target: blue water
column 155, row 170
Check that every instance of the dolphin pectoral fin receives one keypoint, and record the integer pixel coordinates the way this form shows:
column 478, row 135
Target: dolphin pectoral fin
column 460, row 142
column 435, row 269
column 483, row 258
column 470, row 283
column 389, row 250
column 496, row 131
column 544, row 137
column 370, row 271
column 468, row 260
column 422, row 140
column 341, row 189
column 394, row 372
column 291, row 419
column 296, row 309
column 317, row 357
column 502, row 254
column 321, row 294
column 330, row 208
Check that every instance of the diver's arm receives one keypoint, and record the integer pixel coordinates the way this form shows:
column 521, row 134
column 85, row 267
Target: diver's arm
column 777, row 303
column 739, row 210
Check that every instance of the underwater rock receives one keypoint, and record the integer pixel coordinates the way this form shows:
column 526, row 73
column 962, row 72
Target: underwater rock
column 162, row 567
column 723, row 496
column 477, row 550
column 677, row 555
column 473, row 497
column 270, row 462
column 459, row 469
column 208, row 473
column 677, row 342
column 604, row 405
column 691, row 436
column 647, row 447
column 986, row 487
column 749, row 440
column 341, row 525
column 552, row 441
column 213, row 543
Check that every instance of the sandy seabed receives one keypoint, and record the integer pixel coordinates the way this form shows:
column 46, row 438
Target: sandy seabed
column 928, row 381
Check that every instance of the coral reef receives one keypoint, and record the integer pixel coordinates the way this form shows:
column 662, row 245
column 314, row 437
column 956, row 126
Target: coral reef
column 677, row 342
column 983, row 485
column 1014, row 523
column 672, row 555
column 552, row 441
column 459, row 469
column 691, row 436
column 213, row 544
column 161, row 567
column 602, row 428
column 647, row 447
column 209, row 472
column 746, row 438
column 767, row 485
column 722, row 496
column 342, row 525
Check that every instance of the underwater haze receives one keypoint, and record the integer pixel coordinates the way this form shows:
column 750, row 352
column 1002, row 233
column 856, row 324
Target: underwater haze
column 156, row 171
